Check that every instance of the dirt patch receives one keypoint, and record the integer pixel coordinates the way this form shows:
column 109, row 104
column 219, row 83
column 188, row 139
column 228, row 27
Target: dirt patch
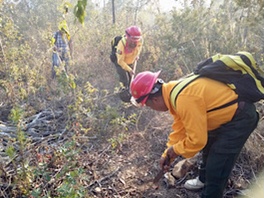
column 122, row 164
column 128, row 168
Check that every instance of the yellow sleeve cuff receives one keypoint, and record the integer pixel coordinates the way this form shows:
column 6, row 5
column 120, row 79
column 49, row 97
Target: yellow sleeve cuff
column 164, row 153
column 52, row 41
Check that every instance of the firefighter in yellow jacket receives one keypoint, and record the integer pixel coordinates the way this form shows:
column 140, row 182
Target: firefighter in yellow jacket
column 128, row 50
column 220, row 134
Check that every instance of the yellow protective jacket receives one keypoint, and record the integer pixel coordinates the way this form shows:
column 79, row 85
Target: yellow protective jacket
column 192, row 122
column 124, row 60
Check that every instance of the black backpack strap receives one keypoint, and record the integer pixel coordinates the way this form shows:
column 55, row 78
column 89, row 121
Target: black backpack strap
column 176, row 90
column 183, row 83
column 224, row 105
column 122, row 40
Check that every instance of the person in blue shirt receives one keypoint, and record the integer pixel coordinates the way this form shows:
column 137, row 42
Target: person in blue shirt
column 61, row 42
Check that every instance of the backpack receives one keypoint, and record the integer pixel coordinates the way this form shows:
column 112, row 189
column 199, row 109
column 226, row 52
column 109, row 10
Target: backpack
column 239, row 71
column 114, row 43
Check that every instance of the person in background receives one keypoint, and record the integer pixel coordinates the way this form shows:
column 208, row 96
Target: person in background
column 61, row 42
column 220, row 134
column 127, row 52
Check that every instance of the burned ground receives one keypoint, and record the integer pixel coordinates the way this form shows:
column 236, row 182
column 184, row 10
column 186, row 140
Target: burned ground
column 120, row 163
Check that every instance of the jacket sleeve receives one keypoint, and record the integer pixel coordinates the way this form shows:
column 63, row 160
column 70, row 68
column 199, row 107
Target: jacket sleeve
column 53, row 39
column 189, row 134
column 120, row 54
column 139, row 49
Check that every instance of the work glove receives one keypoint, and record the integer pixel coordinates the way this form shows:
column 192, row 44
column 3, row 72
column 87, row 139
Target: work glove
column 165, row 163
column 168, row 159
column 131, row 72
column 54, row 48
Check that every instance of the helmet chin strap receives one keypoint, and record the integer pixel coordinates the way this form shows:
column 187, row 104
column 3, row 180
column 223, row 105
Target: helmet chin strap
column 135, row 103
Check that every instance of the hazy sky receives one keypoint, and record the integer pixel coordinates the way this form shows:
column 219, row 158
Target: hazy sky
column 167, row 5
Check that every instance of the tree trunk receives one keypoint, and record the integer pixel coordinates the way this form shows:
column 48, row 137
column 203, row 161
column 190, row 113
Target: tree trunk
column 113, row 10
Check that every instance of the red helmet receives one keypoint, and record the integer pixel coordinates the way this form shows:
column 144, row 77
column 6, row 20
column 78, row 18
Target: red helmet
column 143, row 84
column 134, row 33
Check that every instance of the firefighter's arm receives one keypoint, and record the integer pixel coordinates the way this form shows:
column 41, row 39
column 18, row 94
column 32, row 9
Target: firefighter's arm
column 193, row 124
column 52, row 43
column 120, row 60
column 139, row 50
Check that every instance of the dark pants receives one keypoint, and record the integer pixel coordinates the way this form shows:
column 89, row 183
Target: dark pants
column 124, row 76
column 222, row 149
